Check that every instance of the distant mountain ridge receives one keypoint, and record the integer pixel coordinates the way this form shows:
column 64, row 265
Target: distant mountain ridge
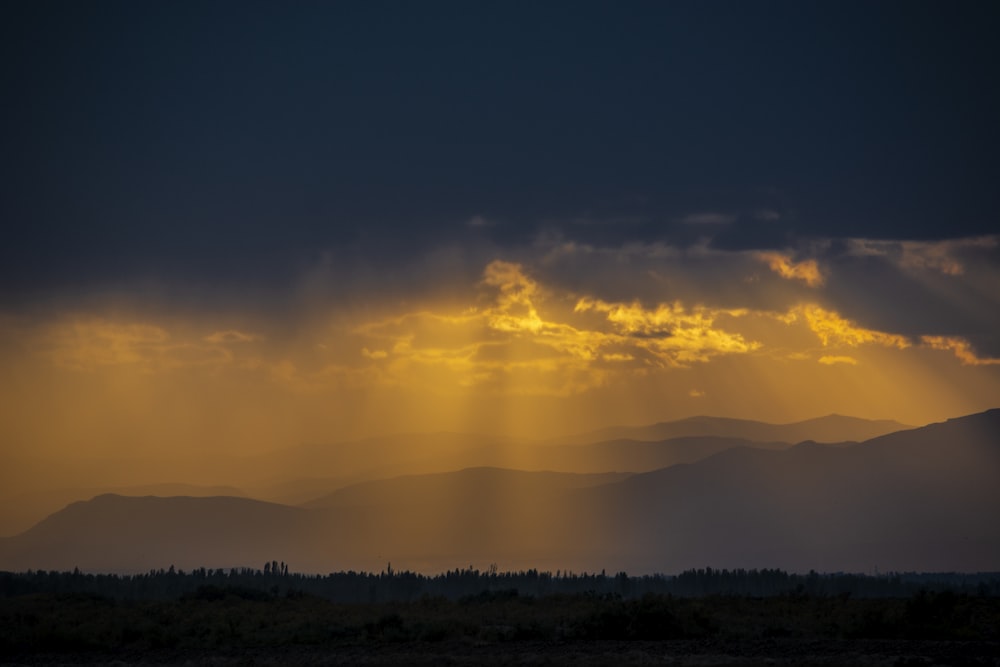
column 388, row 456
column 317, row 469
column 924, row 499
column 24, row 509
column 303, row 473
column 829, row 429
column 135, row 534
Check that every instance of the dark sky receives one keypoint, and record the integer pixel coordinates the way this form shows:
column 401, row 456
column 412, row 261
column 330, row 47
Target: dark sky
column 217, row 142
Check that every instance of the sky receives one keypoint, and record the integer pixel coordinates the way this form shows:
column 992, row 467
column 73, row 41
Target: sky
column 239, row 226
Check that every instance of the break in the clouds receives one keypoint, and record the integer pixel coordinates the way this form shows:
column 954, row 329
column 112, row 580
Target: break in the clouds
column 522, row 330
column 564, row 316
column 807, row 270
column 537, row 342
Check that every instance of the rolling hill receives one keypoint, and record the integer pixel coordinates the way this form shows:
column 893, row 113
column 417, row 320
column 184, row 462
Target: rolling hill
column 136, row 534
column 23, row 510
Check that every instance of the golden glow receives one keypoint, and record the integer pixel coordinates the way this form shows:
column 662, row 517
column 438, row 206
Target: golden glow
column 516, row 338
column 806, row 271
column 961, row 349
column 670, row 333
column 513, row 354
column 86, row 344
column 516, row 345
column 832, row 329
column 830, row 360
column 230, row 336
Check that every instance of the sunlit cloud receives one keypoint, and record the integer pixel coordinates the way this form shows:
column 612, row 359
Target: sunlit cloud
column 522, row 345
column 960, row 348
column 507, row 344
column 515, row 308
column 831, row 360
column 672, row 333
column 806, row 271
column 517, row 342
column 832, row 329
column 518, row 337
column 515, row 332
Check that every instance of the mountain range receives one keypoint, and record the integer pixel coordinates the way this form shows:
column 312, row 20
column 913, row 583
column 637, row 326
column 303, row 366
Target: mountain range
column 31, row 488
column 918, row 499
column 828, row 429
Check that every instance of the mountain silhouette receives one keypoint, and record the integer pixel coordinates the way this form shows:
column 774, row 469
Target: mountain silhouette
column 33, row 486
column 418, row 453
column 297, row 475
column 829, row 429
column 24, row 509
column 136, row 534
column 921, row 499
column 637, row 455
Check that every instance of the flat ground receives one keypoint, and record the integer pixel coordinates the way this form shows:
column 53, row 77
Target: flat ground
column 874, row 653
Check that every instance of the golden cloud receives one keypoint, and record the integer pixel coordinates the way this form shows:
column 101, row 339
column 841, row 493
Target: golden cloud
column 832, row 329
column 830, row 360
column 514, row 343
column 520, row 338
column 960, row 348
column 806, row 271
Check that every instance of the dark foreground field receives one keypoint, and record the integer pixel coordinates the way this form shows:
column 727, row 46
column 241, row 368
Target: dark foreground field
column 803, row 653
column 243, row 626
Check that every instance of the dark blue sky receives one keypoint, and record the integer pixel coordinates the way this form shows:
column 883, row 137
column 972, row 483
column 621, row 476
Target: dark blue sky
column 235, row 142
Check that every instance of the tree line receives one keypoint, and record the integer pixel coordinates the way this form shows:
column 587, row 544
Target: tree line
column 274, row 579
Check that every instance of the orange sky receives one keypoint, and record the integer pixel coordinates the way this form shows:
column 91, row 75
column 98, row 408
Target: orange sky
column 516, row 350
